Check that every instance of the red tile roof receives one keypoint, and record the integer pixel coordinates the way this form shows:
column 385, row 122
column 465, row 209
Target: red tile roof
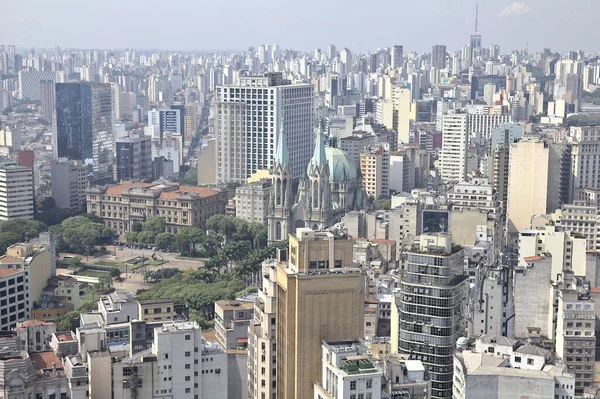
column 44, row 360
column 8, row 272
column 202, row 191
column 533, row 258
column 383, row 241
column 118, row 189
column 31, row 323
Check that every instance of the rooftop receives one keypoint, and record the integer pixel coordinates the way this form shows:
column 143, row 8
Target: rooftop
column 233, row 305
column 45, row 360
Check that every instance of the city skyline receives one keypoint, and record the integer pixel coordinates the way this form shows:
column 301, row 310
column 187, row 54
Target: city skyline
column 510, row 24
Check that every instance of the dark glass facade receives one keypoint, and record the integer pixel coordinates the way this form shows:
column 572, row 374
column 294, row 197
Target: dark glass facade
column 84, row 124
column 125, row 161
column 74, row 120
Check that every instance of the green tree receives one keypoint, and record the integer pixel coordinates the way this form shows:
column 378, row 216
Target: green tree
column 166, row 241
column 68, row 321
column 27, row 229
column 115, row 272
column 131, row 237
column 382, row 204
column 146, row 237
column 76, row 263
column 7, row 239
column 190, row 178
column 107, row 234
column 154, row 224
column 222, row 224
column 137, row 227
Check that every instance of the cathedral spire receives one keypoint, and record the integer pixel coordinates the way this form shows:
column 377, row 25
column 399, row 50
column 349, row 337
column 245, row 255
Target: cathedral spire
column 282, row 157
column 319, row 159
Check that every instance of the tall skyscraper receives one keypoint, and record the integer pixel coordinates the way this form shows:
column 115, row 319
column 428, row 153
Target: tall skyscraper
column 247, row 118
column 84, row 124
column 455, row 141
column 318, row 299
column 29, row 84
column 397, row 56
column 438, row 56
column 527, row 183
column 16, row 192
column 332, row 52
column 475, row 50
column 134, row 157
column 428, row 314
column 501, row 139
column 47, row 99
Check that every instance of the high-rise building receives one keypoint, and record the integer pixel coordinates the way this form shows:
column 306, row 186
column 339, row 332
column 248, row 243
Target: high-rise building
column 527, row 183
column 374, row 169
column 401, row 102
column 397, row 56
column 29, row 84
column 168, row 120
column 47, row 99
column 318, row 299
column 575, row 329
column 428, row 313
column 583, row 161
column 16, row 192
column 455, row 142
column 248, row 116
column 475, row 47
column 438, row 56
column 134, row 157
column 501, row 139
column 69, row 183
column 84, row 124
column 262, row 345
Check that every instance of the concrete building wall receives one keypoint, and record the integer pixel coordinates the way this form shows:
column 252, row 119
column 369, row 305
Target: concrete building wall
column 532, row 297
column 527, row 183
column 313, row 308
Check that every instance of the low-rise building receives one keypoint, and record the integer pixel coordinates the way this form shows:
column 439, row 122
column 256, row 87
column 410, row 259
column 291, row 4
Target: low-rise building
column 156, row 310
column 404, row 378
column 498, row 367
column 118, row 307
column 122, row 205
column 180, row 364
column 35, row 335
column 348, row 372
column 38, row 262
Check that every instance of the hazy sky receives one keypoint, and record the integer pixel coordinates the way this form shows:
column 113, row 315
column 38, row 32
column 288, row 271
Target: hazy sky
column 307, row 24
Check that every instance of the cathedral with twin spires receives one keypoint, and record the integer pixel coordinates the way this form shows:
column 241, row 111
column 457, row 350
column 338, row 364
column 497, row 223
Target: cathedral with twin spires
column 329, row 187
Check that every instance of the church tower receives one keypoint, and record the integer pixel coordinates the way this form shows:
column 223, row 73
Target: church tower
column 317, row 188
column 280, row 202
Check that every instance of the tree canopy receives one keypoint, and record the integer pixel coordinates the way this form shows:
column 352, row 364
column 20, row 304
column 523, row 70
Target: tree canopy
column 79, row 234
column 583, row 120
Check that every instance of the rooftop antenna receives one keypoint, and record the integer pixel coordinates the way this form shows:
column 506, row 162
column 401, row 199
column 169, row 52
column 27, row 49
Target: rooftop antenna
column 476, row 17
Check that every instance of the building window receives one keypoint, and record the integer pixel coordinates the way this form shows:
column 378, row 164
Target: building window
column 517, row 359
column 187, row 337
column 530, row 362
column 353, row 385
column 369, row 384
